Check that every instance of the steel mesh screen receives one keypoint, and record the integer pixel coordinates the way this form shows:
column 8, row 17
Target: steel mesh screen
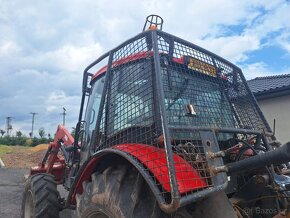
column 211, row 108
column 215, row 90
column 129, row 114
column 243, row 104
column 188, row 145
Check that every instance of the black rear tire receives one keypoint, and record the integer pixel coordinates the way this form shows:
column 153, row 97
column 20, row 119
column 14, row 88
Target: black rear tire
column 120, row 192
column 40, row 198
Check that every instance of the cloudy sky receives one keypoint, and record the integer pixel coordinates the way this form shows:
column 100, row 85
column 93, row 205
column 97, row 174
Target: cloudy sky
column 45, row 45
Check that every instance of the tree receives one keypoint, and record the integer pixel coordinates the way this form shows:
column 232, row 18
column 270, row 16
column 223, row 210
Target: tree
column 73, row 132
column 2, row 132
column 41, row 132
column 18, row 134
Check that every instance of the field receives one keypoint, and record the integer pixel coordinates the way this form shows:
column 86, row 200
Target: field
column 4, row 149
column 20, row 156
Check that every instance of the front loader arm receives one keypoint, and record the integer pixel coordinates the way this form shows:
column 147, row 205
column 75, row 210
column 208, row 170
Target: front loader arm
column 62, row 135
column 51, row 163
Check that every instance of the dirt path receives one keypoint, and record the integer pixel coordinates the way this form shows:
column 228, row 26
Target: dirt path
column 23, row 157
column 11, row 188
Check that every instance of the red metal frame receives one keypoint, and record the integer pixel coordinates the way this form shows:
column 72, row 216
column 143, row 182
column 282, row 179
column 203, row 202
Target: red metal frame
column 130, row 58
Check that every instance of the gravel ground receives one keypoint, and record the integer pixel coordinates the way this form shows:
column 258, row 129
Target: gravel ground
column 11, row 190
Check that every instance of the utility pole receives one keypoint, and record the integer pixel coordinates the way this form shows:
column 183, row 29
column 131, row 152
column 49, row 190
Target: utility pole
column 8, row 125
column 63, row 116
column 32, row 126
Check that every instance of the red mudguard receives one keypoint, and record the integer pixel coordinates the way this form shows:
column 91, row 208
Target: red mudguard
column 188, row 178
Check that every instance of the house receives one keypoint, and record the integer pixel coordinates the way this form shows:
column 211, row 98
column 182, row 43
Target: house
column 273, row 96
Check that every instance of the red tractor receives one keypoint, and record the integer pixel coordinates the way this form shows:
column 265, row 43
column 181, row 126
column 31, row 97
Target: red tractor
column 166, row 129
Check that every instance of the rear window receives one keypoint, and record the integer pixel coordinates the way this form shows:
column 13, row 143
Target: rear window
column 204, row 95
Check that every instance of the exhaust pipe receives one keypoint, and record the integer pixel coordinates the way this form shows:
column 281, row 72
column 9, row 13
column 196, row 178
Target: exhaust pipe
column 278, row 156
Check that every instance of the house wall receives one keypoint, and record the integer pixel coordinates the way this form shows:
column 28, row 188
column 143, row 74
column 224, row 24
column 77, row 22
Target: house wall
column 278, row 108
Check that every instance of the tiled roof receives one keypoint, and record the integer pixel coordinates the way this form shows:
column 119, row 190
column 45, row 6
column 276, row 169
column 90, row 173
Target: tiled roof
column 267, row 84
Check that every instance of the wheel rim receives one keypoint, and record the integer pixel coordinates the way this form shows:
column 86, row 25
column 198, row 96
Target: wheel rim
column 29, row 208
column 97, row 214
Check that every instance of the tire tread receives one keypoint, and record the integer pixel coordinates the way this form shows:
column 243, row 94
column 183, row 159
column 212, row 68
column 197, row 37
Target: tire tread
column 45, row 196
column 119, row 192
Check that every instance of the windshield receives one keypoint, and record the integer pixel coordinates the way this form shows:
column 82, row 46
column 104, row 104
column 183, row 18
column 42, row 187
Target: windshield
column 131, row 97
column 94, row 102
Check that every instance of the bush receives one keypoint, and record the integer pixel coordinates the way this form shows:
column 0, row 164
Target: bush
column 23, row 141
column 28, row 142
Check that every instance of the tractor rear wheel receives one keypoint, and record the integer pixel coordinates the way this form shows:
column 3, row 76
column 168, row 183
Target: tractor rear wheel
column 41, row 198
column 120, row 191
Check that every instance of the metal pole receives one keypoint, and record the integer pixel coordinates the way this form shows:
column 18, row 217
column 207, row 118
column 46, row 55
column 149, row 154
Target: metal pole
column 32, row 126
column 63, row 116
column 8, row 125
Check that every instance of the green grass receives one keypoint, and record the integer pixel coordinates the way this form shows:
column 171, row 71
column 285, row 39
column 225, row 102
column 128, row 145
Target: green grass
column 4, row 149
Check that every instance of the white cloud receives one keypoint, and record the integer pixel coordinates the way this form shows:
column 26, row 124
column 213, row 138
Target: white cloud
column 56, row 96
column 255, row 70
column 233, row 48
column 66, row 58
column 284, row 41
column 51, row 108
column 9, row 48
column 261, row 69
